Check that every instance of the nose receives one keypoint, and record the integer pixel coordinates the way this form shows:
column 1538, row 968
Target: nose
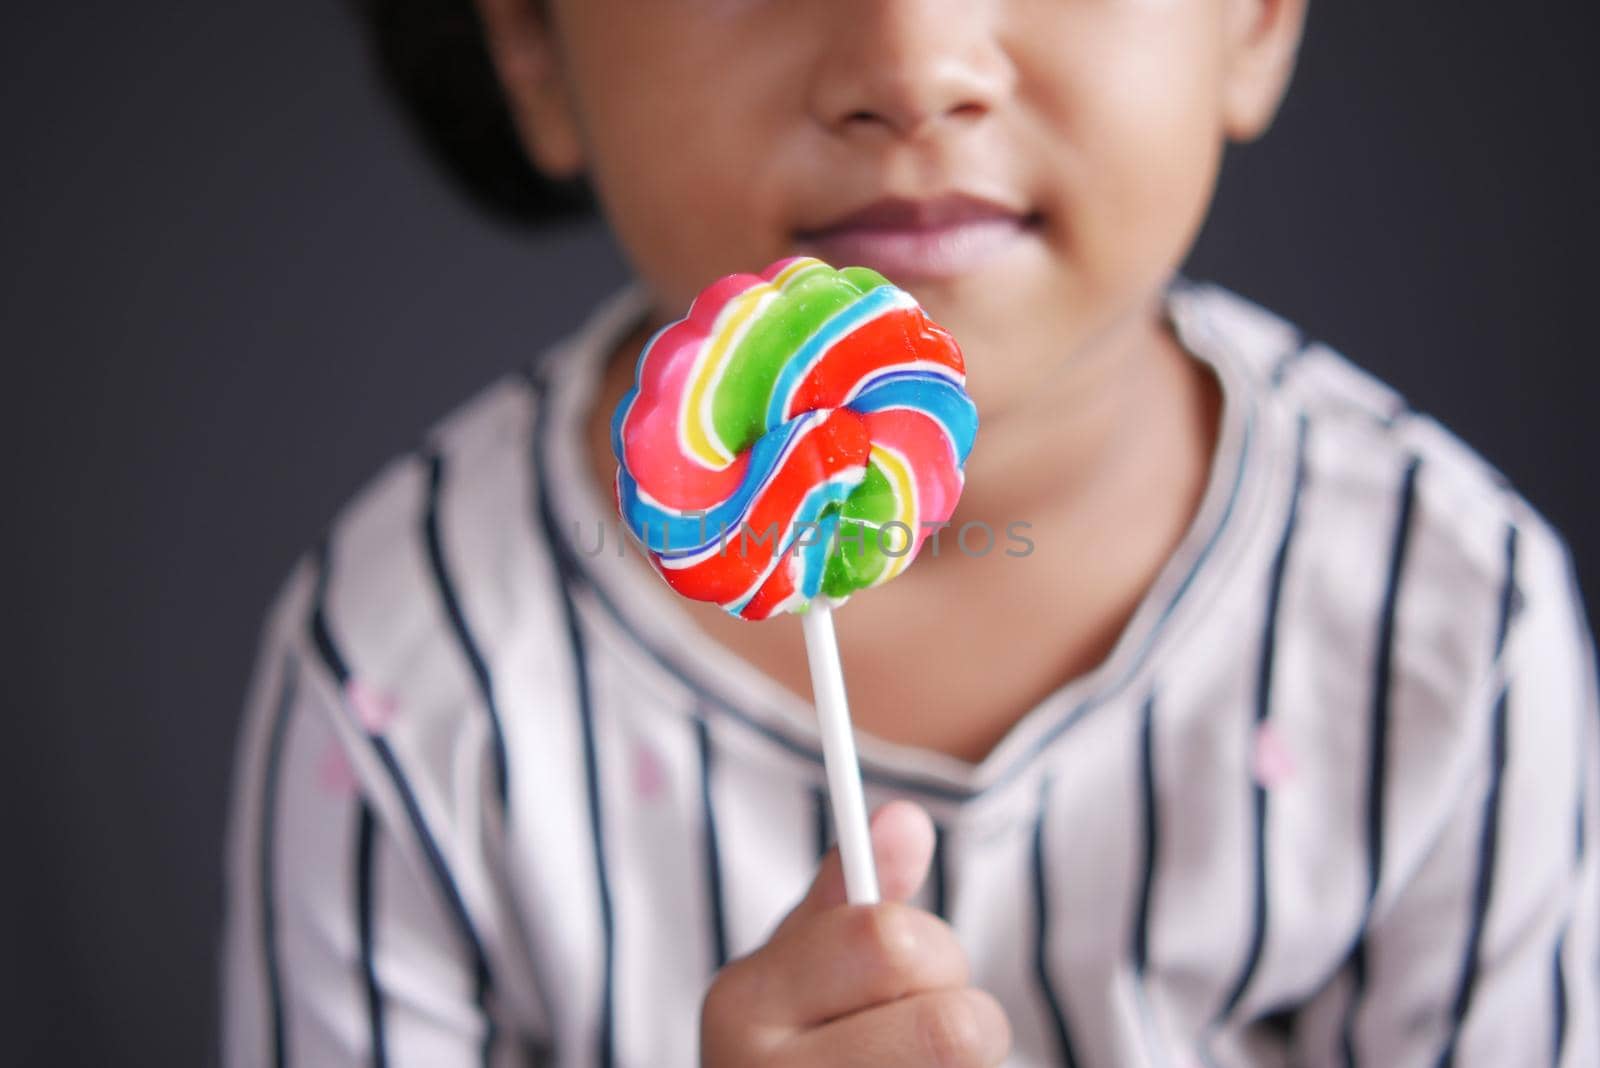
column 902, row 67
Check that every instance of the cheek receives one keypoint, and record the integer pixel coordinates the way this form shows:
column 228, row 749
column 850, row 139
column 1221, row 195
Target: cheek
column 681, row 160
column 1152, row 194
column 1134, row 108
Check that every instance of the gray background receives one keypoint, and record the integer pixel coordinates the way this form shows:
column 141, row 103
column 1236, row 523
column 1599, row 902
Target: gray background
column 230, row 290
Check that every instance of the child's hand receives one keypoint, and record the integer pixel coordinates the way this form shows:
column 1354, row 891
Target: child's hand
column 840, row 985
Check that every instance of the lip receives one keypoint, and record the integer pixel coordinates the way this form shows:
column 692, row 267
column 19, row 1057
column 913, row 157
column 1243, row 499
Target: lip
column 906, row 240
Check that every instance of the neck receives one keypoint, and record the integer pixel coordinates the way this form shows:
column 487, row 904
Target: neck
column 1130, row 414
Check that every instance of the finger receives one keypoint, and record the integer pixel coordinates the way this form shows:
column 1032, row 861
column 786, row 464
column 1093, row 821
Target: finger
column 902, row 849
column 902, row 846
column 847, row 959
column 948, row 1029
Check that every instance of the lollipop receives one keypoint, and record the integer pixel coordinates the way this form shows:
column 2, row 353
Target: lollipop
column 790, row 441
column 796, row 435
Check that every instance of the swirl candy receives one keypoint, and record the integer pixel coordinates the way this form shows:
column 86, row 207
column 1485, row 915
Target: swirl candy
column 793, row 437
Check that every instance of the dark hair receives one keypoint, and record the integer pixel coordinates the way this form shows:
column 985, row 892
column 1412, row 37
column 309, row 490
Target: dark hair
column 435, row 63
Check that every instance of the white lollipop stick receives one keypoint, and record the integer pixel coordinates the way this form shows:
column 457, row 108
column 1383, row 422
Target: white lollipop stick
column 839, row 756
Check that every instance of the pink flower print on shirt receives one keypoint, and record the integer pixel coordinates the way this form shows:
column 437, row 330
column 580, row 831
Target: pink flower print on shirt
column 649, row 776
column 1272, row 763
column 334, row 773
column 373, row 708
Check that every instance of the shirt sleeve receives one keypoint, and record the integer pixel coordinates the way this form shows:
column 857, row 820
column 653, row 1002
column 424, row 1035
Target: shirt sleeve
column 348, row 938
column 1488, row 954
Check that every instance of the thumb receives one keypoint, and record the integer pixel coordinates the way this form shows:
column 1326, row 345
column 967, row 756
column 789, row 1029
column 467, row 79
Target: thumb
column 902, row 849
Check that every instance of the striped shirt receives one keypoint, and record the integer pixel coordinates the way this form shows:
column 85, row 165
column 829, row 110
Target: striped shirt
column 1331, row 800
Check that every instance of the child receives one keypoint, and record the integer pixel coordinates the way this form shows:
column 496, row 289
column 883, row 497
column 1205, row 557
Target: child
column 1276, row 748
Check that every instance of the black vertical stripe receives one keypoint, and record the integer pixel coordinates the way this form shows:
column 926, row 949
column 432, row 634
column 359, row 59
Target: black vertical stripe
column 1382, row 678
column 939, row 875
column 1582, row 776
column 1508, row 592
column 333, row 659
column 821, row 820
column 365, row 875
column 267, row 853
column 1378, row 752
column 1358, row 986
column 1559, row 1023
column 1150, row 845
column 1483, row 884
column 719, row 925
column 458, row 621
column 1041, row 956
column 1269, row 645
column 1561, row 995
column 321, row 636
column 1489, row 834
column 567, row 576
column 447, row 883
column 1151, row 839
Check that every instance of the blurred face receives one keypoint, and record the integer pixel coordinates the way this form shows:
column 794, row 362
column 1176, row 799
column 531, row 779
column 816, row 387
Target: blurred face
column 1031, row 170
